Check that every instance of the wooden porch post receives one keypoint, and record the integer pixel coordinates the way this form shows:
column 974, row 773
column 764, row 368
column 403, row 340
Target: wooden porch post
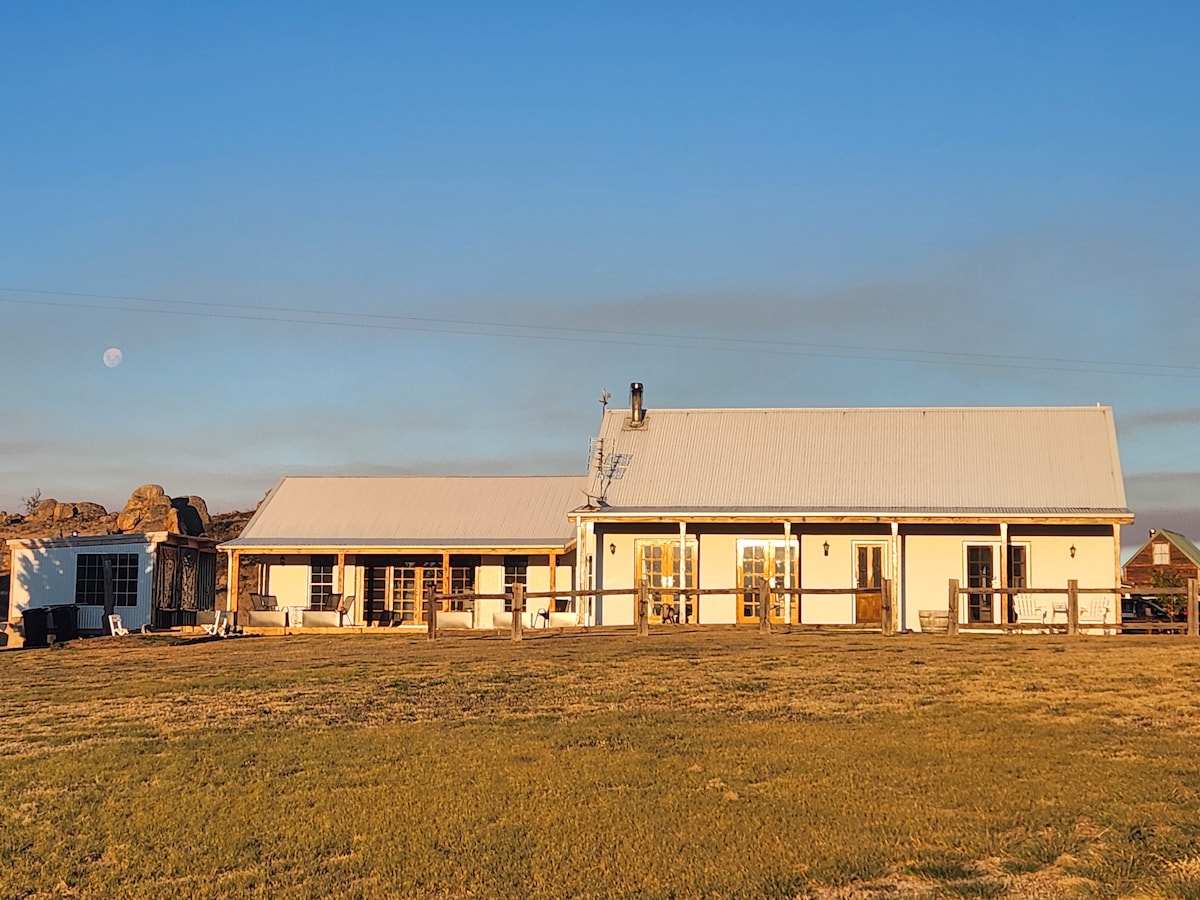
column 787, row 572
column 340, row 582
column 1005, row 599
column 231, row 586
column 952, row 623
column 681, row 597
column 552, row 603
column 446, row 572
column 580, row 599
column 1072, row 606
column 1193, row 614
column 518, row 609
column 897, row 623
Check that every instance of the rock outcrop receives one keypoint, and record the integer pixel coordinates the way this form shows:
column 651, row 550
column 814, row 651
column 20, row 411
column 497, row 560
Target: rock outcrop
column 149, row 509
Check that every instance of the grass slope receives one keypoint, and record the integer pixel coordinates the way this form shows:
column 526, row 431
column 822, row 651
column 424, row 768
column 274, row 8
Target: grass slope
column 718, row 764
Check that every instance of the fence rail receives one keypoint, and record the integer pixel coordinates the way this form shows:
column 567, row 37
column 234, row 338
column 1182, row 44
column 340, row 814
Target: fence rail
column 1070, row 609
column 767, row 600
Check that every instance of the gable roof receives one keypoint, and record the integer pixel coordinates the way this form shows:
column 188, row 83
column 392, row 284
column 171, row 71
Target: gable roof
column 917, row 461
column 415, row 511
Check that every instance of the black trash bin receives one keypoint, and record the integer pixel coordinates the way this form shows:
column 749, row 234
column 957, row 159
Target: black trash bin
column 35, row 626
column 66, row 622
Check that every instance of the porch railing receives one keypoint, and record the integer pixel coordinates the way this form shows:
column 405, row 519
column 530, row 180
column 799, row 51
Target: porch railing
column 1067, row 605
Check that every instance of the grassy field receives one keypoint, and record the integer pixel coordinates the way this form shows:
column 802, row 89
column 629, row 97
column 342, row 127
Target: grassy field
column 717, row 764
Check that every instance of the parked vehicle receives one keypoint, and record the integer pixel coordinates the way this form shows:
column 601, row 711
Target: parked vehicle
column 1143, row 614
column 1140, row 608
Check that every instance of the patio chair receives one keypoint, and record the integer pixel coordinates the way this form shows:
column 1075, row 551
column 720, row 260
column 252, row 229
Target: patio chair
column 258, row 602
column 116, row 627
column 1029, row 611
column 345, row 609
column 1059, row 608
column 219, row 623
column 1094, row 610
column 332, row 603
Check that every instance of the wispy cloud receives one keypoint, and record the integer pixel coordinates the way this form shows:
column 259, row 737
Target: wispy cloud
column 1164, row 418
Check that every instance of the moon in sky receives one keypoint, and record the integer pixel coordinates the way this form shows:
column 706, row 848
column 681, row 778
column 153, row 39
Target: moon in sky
column 113, row 357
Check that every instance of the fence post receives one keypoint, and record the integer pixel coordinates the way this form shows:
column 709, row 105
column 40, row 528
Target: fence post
column 764, row 607
column 518, row 609
column 642, row 612
column 952, row 621
column 885, row 605
column 1193, row 614
column 1072, row 607
column 431, row 611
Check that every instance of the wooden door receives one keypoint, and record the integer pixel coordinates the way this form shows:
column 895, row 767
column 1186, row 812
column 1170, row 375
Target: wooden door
column 868, row 573
column 759, row 560
column 658, row 569
column 411, row 583
column 1018, row 575
column 980, row 569
column 375, row 595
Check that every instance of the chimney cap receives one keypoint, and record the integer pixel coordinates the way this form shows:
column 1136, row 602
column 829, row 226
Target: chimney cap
column 636, row 413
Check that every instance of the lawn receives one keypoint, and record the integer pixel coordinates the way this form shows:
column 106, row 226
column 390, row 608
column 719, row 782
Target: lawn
column 718, row 763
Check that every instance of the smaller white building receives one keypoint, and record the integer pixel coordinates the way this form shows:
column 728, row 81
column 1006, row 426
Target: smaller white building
column 158, row 579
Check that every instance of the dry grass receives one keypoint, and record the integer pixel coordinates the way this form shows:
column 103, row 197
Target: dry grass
column 717, row 764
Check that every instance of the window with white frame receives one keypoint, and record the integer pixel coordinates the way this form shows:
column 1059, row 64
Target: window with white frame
column 320, row 581
column 1162, row 554
column 516, row 571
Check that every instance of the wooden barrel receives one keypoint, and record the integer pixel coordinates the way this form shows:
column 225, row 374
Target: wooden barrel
column 934, row 620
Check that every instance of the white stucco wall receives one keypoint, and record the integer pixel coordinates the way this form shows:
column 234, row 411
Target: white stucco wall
column 920, row 564
column 46, row 577
column 288, row 582
column 932, row 560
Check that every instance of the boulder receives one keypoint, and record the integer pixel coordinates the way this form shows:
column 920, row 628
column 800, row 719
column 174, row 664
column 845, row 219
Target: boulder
column 44, row 511
column 64, row 511
column 148, row 509
column 192, row 515
column 201, row 508
column 145, row 495
column 90, row 510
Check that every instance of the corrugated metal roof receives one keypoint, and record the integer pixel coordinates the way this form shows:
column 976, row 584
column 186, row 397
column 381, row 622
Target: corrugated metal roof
column 416, row 511
column 942, row 459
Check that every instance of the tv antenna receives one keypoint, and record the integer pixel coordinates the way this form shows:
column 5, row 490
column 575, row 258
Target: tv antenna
column 605, row 396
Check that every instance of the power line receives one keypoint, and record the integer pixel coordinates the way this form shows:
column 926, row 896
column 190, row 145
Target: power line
column 588, row 335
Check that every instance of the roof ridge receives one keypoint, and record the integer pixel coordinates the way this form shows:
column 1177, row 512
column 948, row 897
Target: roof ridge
column 858, row 409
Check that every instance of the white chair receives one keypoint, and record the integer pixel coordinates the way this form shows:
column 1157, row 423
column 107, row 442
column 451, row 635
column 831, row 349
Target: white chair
column 345, row 610
column 1094, row 610
column 219, row 623
column 1059, row 608
column 116, row 627
column 1029, row 611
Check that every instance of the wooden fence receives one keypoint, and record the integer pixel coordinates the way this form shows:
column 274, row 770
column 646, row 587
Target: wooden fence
column 1070, row 609
column 518, row 598
column 768, row 600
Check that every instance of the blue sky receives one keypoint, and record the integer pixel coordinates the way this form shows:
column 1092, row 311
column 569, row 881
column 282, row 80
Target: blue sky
column 744, row 204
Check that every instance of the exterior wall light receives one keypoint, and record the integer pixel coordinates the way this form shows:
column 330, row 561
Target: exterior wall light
column 612, row 548
column 825, row 547
column 1072, row 551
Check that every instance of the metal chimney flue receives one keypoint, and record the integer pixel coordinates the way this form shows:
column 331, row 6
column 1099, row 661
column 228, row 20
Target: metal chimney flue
column 636, row 414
